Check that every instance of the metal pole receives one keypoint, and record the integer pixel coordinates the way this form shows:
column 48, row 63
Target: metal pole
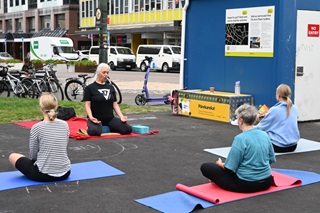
column 22, row 39
column 103, row 37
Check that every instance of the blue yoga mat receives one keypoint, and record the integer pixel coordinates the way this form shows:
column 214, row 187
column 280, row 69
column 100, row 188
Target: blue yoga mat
column 304, row 145
column 79, row 171
column 180, row 202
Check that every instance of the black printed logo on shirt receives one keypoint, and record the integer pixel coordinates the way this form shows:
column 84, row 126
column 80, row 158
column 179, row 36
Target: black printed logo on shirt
column 105, row 93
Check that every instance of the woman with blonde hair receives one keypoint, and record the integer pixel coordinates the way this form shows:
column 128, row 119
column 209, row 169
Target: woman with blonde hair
column 281, row 122
column 48, row 160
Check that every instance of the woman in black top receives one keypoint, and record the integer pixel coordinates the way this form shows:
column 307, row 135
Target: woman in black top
column 100, row 102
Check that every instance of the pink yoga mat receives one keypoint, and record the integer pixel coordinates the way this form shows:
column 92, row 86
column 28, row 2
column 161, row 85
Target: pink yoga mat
column 77, row 123
column 215, row 194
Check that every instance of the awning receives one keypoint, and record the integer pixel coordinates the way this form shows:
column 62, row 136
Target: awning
column 136, row 28
column 15, row 37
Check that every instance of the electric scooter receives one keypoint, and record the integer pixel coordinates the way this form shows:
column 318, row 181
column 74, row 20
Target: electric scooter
column 144, row 97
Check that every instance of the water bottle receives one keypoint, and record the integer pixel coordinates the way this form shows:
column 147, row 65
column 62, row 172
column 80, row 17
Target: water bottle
column 237, row 88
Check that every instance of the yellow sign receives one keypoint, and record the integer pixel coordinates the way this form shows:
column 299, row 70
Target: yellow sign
column 204, row 109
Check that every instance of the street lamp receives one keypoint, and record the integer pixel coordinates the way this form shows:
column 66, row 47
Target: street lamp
column 102, row 15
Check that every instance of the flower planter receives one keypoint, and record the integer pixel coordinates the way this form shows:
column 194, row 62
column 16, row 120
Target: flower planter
column 79, row 68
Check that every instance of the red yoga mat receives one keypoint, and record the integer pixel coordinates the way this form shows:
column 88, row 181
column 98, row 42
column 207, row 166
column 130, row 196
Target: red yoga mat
column 77, row 123
column 215, row 194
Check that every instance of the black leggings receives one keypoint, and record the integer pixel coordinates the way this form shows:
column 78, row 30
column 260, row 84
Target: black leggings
column 115, row 125
column 279, row 149
column 228, row 180
column 31, row 171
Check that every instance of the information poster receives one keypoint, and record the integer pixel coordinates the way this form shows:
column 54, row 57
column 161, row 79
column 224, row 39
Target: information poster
column 250, row 32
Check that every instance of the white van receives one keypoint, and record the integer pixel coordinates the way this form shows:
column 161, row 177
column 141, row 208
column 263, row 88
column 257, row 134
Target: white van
column 56, row 48
column 118, row 57
column 166, row 57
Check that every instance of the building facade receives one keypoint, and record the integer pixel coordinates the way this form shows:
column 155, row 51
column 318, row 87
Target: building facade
column 134, row 22
column 130, row 22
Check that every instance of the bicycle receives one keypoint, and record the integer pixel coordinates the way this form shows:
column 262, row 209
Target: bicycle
column 48, row 82
column 20, row 88
column 74, row 88
column 43, row 79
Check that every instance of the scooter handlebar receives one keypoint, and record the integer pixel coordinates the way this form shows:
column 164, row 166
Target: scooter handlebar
column 147, row 58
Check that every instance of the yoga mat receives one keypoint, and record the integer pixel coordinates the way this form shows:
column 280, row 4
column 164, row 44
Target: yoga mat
column 304, row 145
column 214, row 194
column 79, row 171
column 78, row 128
column 178, row 201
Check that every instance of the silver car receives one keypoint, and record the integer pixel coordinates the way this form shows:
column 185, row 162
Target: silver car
column 4, row 56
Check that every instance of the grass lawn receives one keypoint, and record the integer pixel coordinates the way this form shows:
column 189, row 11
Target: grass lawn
column 23, row 109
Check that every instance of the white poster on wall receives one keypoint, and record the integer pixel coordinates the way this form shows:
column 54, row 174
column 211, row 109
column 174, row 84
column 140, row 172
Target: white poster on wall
column 250, row 32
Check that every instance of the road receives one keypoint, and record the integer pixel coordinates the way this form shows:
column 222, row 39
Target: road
column 131, row 83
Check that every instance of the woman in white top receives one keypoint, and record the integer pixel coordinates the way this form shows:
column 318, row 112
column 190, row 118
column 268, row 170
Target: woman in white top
column 48, row 160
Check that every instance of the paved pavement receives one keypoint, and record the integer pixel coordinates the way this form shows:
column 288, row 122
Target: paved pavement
column 153, row 165
column 131, row 88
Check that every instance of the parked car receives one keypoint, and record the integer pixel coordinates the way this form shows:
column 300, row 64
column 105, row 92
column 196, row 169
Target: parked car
column 5, row 56
column 165, row 57
column 83, row 54
column 118, row 57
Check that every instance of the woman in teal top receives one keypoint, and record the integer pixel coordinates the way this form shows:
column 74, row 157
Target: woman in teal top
column 247, row 167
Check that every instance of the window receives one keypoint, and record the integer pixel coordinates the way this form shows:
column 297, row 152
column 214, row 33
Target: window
column 136, row 6
column 149, row 50
column 66, row 2
column 60, row 20
column 125, row 51
column 31, row 21
column 91, row 9
column 117, row 8
column 126, row 6
column 87, row 9
column 113, row 51
column 11, row 3
column 82, row 10
column 176, row 50
column 17, row 3
column 94, row 50
column 95, row 3
column 33, row 4
column 19, row 25
column 158, row 5
column 23, row 2
column 9, row 25
column 166, row 50
column 45, row 22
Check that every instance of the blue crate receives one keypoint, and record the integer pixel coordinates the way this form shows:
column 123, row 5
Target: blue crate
column 140, row 129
